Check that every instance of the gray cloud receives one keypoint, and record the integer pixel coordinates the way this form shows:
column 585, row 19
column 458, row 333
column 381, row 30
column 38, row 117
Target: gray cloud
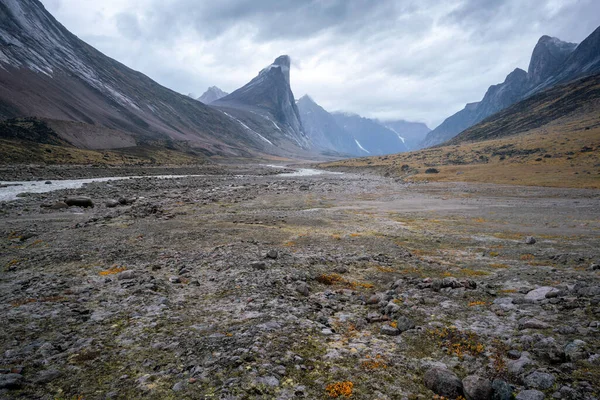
column 417, row 60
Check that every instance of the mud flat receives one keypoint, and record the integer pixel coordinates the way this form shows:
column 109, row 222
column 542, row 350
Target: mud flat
column 242, row 284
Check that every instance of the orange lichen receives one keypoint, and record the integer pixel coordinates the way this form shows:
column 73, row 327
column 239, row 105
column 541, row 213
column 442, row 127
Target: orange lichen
column 377, row 363
column 477, row 303
column 384, row 269
column 112, row 271
column 457, row 342
column 498, row 265
column 338, row 389
column 330, row 279
column 527, row 257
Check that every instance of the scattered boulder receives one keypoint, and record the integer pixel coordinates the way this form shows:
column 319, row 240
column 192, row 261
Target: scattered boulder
column 11, row 381
column 79, row 201
column 126, row 275
column 59, row 205
column 404, row 324
column 111, row 203
column 46, row 376
column 273, row 254
column 304, row 187
column 302, row 288
column 539, row 380
column 477, row 388
column 501, row 390
column 576, row 350
column 539, row 293
column 530, row 240
column 389, row 330
column 530, row 395
column 533, row 324
column 443, row 382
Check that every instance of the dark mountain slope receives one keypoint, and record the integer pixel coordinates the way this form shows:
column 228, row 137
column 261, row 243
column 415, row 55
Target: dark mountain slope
column 45, row 71
column 270, row 98
column 559, row 102
column 549, row 65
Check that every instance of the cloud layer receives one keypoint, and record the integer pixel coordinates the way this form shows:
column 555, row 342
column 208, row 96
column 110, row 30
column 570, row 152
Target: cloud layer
column 404, row 59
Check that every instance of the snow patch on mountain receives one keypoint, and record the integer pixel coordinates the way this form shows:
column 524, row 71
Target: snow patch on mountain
column 360, row 147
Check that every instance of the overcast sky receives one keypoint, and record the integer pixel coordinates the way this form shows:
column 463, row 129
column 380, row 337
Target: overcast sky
column 418, row 60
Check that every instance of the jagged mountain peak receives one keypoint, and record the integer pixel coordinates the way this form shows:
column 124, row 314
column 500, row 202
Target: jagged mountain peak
column 547, row 57
column 213, row 93
column 282, row 63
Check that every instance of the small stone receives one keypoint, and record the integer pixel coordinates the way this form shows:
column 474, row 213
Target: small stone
column 501, row 390
column 48, row 183
column 79, row 201
column 530, row 395
column 533, row 324
column 174, row 279
column 111, row 203
column 530, row 240
column 443, row 382
column 539, row 380
column 375, row 299
column 11, row 381
column 126, row 275
column 59, row 205
column 477, row 388
column 179, row 386
column 514, row 354
column 389, row 330
column 302, row 288
column 405, row 324
column 46, row 376
column 268, row 381
column 273, row 254
column 259, row 265
column 304, row 187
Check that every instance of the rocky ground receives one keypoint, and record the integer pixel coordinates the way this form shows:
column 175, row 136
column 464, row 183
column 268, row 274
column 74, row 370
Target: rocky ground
column 245, row 285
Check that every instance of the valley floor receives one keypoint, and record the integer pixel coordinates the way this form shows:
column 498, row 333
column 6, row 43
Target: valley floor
column 241, row 284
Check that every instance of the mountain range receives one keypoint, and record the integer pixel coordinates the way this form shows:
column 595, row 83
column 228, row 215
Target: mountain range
column 552, row 62
column 79, row 97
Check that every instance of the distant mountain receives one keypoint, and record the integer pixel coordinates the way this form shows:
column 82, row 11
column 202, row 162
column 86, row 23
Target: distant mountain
column 213, row 93
column 323, row 130
column 552, row 61
column 572, row 106
column 267, row 104
column 411, row 133
column 48, row 73
column 370, row 136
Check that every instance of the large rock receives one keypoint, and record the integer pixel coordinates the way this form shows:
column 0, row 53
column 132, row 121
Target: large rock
column 539, row 380
column 533, row 324
column 576, row 350
column 11, row 381
column 79, row 201
column 539, row 293
column 501, row 390
column 443, row 382
column 477, row 388
column 530, row 395
column 405, row 324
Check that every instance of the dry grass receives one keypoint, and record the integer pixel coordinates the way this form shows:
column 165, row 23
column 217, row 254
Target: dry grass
column 568, row 165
